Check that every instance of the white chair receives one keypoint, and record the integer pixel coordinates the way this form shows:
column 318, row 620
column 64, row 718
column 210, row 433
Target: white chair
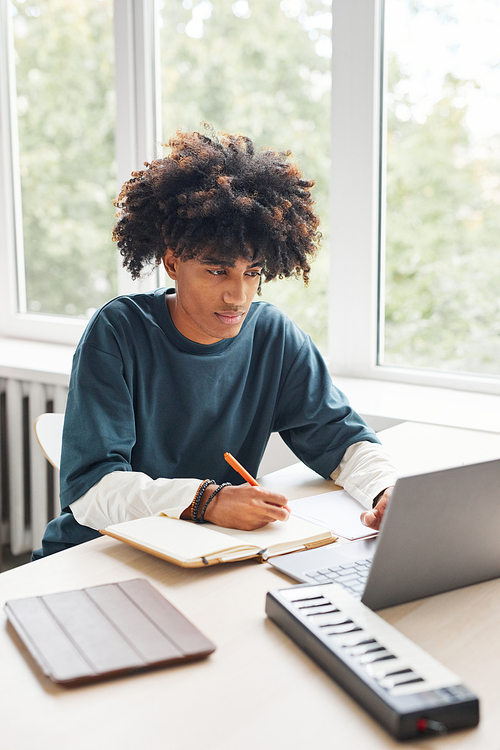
column 48, row 431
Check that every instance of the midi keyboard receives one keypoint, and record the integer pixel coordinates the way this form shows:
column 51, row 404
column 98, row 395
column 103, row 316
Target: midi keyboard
column 404, row 688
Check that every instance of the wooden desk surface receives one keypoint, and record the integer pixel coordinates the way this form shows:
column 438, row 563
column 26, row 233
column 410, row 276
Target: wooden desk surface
column 257, row 690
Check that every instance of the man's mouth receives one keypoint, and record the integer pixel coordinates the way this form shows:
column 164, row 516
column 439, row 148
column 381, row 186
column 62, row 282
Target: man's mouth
column 230, row 318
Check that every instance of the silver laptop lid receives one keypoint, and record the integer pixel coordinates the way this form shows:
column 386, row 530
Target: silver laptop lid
column 441, row 532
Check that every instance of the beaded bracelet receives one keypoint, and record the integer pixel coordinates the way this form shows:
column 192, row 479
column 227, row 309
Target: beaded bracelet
column 197, row 498
column 201, row 518
column 193, row 501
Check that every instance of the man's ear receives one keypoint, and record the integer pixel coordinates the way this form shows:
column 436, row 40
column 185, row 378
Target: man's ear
column 170, row 261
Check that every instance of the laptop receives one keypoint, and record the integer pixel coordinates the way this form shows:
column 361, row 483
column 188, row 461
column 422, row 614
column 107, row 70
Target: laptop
column 441, row 531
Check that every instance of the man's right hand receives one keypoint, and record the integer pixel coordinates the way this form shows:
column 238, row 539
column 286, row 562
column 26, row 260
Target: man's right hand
column 244, row 507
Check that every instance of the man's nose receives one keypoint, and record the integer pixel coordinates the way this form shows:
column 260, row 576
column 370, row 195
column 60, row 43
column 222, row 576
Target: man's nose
column 234, row 292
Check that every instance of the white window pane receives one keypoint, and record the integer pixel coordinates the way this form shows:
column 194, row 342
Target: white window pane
column 261, row 68
column 66, row 120
column 443, row 185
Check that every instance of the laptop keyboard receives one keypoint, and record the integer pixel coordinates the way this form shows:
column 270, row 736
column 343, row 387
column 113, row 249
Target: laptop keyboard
column 352, row 576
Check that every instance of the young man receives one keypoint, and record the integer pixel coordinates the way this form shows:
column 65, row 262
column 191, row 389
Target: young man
column 164, row 383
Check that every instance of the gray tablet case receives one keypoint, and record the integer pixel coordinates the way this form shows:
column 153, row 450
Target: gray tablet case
column 105, row 631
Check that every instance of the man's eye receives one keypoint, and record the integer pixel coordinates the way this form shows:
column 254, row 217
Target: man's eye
column 218, row 272
column 254, row 273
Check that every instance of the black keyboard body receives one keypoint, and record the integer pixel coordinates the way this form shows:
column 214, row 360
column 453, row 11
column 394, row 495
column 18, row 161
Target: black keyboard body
column 405, row 689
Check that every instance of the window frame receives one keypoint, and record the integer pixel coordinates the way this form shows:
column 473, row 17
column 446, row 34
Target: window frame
column 357, row 205
column 137, row 136
column 357, row 185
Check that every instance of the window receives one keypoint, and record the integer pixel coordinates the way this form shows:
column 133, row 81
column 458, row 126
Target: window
column 262, row 68
column 442, row 276
column 414, row 193
column 66, row 121
column 408, row 191
column 63, row 109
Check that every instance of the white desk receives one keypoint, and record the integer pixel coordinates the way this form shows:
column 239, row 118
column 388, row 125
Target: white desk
column 258, row 690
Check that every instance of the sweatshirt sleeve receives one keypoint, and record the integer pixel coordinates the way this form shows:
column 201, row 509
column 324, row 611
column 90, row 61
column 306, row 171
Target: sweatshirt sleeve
column 365, row 470
column 123, row 496
column 314, row 418
column 99, row 427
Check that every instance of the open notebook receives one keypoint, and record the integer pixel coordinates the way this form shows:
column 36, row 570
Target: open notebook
column 195, row 545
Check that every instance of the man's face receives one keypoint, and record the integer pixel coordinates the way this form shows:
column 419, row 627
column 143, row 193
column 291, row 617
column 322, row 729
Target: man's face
column 212, row 296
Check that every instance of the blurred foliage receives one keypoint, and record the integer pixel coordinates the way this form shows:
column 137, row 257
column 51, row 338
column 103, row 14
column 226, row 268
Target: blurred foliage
column 443, row 230
column 66, row 116
column 261, row 68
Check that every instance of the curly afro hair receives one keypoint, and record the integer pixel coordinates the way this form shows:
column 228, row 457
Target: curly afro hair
column 216, row 192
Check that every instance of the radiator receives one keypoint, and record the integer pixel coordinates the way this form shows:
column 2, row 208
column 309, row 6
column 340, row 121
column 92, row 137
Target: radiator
column 29, row 485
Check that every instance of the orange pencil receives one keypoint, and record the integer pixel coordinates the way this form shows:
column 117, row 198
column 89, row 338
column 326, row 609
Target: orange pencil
column 244, row 473
column 241, row 471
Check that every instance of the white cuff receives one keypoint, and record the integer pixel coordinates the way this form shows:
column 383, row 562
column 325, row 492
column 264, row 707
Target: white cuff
column 365, row 470
column 125, row 495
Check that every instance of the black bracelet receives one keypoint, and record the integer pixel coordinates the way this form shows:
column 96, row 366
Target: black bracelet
column 376, row 499
column 201, row 519
column 198, row 496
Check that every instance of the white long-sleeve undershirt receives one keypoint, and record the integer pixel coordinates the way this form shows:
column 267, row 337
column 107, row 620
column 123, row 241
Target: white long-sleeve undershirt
column 365, row 470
